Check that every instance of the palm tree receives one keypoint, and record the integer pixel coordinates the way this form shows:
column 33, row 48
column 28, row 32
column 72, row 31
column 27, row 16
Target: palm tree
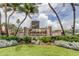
column 63, row 33
column 9, row 7
column 13, row 7
column 74, row 15
column 74, row 18
column 27, row 8
column 5, row 11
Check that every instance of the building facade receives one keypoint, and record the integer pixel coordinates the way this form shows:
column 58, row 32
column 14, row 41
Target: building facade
column 35, row 30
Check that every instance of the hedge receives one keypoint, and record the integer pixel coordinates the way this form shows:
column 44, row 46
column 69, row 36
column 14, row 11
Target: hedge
column 45, row 39
column 27, row 39
column 9, row 38
column 66, row 38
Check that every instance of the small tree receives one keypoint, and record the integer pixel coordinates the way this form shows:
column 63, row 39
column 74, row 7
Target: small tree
column 18, row 21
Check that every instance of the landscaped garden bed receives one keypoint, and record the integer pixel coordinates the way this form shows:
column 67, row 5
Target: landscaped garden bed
column 71, row 45
column 6, row 43
column 71, row 42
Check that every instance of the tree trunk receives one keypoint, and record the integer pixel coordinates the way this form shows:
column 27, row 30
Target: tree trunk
column 20, row 25
column 74, row 17
column 9, row 19
column 10, row 16
column 0, row 25
column 5, row 11
column 63, row 33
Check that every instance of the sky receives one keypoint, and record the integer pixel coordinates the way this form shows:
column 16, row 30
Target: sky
column 47, row 17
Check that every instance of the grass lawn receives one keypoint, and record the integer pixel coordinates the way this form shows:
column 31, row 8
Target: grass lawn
column 37, row 50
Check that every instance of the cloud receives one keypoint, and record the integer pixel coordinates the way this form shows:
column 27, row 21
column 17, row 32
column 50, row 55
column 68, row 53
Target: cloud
column 47, row 17
column 42, row 18
column 44, row 21
column 44, row 8
column 49, row 23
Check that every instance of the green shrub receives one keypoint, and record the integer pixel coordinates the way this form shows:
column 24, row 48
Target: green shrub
column 77, row 35
column 27, row 39
column 9, row 38
column 66, row 38
column 45, row 39
column 13, row 38
column 3, row 37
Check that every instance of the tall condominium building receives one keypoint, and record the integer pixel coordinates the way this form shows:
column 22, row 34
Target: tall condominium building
column 35, row 24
